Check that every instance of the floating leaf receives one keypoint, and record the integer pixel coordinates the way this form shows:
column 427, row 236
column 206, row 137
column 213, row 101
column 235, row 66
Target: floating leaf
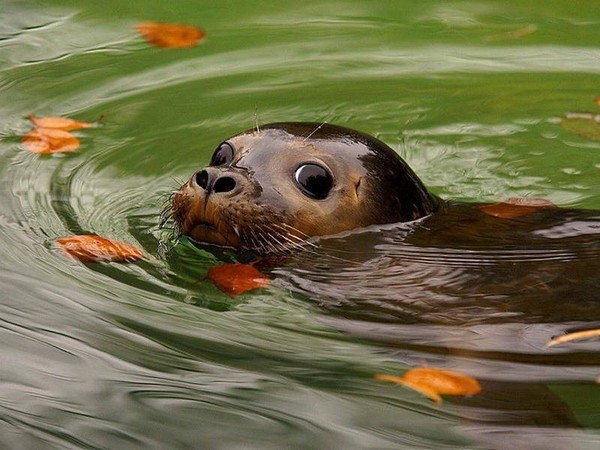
column 516, row 207
column 237, row 278
column 49, row 140
column 434, row 383
column 585, row 125
column 574, row 336
column 93, row 248
column 170, row 35
column 58, row 123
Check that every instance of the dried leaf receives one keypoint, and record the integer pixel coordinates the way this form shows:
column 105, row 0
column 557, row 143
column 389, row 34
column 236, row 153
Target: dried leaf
column 237, row 278
column 585, row 125
column 93, row 248
column 574, row 336
column 597, row 100
column 58, row 123
column 516, row 207
column 170, row 35
column 48, row 140
column 424, row 389
column 433, row 382
column 445, row 382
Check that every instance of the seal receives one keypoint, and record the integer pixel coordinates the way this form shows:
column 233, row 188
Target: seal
column 270, row 189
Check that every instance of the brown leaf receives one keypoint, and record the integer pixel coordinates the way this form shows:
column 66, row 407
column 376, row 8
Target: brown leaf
column 516, row 207
column 237, row 278
column 170, row 35
column 433, row 382
column 574, row 336
column 58, row 123
column 93, row 248
column 585, row 125
column 48, row 140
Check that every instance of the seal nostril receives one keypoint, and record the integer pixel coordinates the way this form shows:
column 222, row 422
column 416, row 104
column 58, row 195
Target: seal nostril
column 202, row 179
column 224, row 184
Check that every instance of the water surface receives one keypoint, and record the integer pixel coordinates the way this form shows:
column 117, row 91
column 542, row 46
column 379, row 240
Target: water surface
column 144, row 356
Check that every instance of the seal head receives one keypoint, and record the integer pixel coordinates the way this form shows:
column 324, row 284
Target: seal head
column 269, row 190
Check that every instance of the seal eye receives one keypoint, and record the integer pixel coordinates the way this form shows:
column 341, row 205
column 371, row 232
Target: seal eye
column 314, row 181
column 222, row 155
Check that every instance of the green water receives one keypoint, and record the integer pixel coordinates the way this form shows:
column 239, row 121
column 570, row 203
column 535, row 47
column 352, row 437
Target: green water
column 142, row 356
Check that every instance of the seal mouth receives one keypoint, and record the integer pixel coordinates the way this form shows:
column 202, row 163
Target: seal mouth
column 238, row 222
column 207, row 232
column 203, row 225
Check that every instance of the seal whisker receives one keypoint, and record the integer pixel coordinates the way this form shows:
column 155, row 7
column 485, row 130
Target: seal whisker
column 314, row 131
column 236, row 230
column 305, row 243
column 256, row 119
column 290, row 244
column 250, row 242
column 301, row 241
column 167, row 214
column 283, row 239
column 274, row 244
column 259, row 242
column 176, row 181
column 274, row 236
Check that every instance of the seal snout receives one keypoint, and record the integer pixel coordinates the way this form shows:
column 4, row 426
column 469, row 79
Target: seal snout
column 213, row 180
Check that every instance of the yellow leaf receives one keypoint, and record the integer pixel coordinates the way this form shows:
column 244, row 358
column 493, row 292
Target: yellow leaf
column 575, row 336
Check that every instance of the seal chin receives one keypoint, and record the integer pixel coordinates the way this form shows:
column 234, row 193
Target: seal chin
column 198, row 220
column 210, row 234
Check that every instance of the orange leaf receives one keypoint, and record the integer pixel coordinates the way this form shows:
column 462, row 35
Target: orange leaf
column 236, row 278
column 445, row 382
column 49, row 140
column 435, row 382
column 58, row 123
column 390, row 378
column 93, row 248
column 170, row 35
column 423, row 389
column 516, row 207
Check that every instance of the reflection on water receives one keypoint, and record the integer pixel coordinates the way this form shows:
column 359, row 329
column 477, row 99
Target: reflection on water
column 147, row 356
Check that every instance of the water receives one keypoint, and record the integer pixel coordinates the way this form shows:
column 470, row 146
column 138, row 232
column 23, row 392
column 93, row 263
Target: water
column 144, row 356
